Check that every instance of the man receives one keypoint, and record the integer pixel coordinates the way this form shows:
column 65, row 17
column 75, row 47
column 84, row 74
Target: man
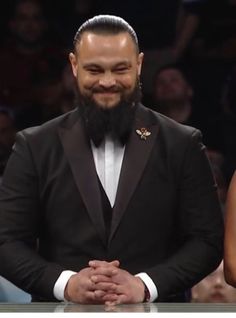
column 36, row 62
column 173, row 93
column 111, row 203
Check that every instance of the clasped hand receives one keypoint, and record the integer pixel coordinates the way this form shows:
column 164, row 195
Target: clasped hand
column 104, row 283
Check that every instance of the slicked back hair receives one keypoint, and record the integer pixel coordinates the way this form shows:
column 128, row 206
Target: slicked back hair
column 106, row 25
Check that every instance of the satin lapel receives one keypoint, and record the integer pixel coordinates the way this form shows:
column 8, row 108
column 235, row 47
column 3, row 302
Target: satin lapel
column 135, row 159
column 80, row 157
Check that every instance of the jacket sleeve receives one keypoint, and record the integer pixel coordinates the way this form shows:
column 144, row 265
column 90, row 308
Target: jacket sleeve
column 200, row 223
column 20, row 226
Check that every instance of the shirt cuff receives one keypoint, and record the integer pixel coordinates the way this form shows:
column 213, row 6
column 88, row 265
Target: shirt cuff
column 150, row 285
column 60, row 285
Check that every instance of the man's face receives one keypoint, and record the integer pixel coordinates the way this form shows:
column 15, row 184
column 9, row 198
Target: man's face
column 28, row 24
column 214, row 289
column 171, row 86
column 106, row 68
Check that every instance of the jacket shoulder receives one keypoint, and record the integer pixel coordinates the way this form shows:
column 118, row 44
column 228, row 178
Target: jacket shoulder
column 171, row 130
column 49, row 128
column 172, row 126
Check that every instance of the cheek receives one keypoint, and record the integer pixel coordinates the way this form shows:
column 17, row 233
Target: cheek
column 83, row 79
column 127, row 81
column 86, row 82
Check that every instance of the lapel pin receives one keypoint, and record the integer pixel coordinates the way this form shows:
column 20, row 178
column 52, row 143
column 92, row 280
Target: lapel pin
column 143, row 133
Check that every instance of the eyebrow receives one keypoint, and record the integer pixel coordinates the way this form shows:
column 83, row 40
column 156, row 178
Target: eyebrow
column 96, row 65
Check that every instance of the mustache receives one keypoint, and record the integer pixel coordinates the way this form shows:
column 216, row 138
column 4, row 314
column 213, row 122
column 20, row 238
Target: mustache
column 101, row 89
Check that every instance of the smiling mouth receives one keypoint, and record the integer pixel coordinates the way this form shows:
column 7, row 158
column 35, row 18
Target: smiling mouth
column 106, row 93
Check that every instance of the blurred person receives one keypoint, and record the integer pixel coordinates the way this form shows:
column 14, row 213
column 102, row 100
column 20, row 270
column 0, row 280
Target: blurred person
column 30, row 65
column 205, row 28
column 173, row 95
column 216, row 32
column 7, row 136
column 212, row 51
column 187, row 24
column 230, row 234
column 214, row 289
column 65, row 100
column 221, row 128
column 112, row 202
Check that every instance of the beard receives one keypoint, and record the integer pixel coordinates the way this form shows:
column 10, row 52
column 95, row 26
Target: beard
column 116, row 121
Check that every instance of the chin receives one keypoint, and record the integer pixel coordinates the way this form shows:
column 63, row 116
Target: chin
column 107, row 105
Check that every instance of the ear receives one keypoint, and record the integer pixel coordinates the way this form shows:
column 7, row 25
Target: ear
column 74, row 63
column 140, row 62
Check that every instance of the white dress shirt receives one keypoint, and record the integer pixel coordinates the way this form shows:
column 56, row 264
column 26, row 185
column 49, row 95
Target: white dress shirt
column 108, row 159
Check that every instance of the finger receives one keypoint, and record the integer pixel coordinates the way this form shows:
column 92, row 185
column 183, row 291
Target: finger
column 100, row 278
column 97, row 263
column 89, row 295
column 110, row 298
column 115, row 263
column 119, row 299
column 105, row 286
column 119, row 289
column 105, row 271
column 99, row 294
column 91, row 286
column 93, row 297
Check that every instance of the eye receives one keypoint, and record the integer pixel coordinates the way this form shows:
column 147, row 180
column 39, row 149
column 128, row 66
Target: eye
column 121, row 70
column 94, row 71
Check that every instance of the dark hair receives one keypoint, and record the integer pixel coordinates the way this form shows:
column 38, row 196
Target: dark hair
column 106, row 24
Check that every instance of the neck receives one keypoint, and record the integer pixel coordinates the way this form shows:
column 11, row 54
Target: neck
column 180, row 113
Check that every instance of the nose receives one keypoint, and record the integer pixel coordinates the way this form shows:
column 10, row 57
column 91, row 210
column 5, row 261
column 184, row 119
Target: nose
column 219, row 281
column 107, row 80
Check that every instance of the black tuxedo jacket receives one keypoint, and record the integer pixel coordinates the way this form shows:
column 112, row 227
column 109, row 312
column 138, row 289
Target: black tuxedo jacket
column 166, row 220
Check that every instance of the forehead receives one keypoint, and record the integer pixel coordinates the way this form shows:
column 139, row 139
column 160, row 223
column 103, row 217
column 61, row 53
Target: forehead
column 93, row 45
